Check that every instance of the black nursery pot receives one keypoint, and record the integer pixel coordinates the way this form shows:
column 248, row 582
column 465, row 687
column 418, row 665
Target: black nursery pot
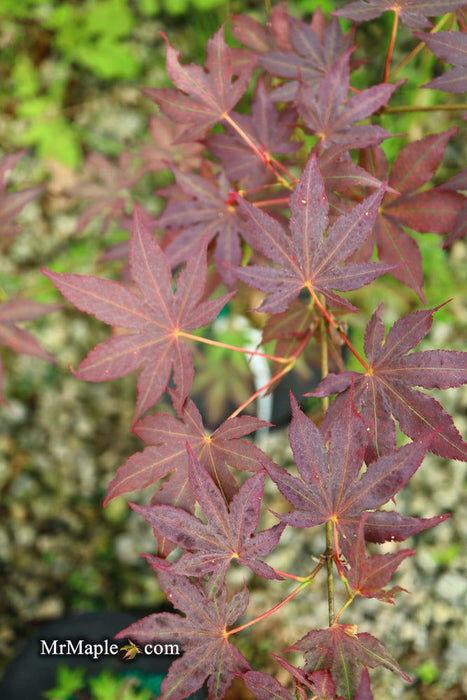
column 31, row 673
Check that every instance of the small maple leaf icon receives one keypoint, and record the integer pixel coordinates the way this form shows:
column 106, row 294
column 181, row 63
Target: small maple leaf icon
column 131, row 650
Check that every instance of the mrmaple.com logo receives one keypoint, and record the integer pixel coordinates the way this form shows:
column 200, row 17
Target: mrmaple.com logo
column 82, row 647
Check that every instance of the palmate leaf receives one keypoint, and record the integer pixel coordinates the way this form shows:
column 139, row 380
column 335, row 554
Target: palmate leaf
column 384, row 390
column 413, row 13
column 163, row 148
column 155, row 317
column 310, row 59
column 208, row 653
column 309, row 259
column 204, row 98
column 259, row 38
column 227, row 534
column 406, row 205
column 168, row 437
column 205, row 211
column 367, row 576
column 107, row 186
column 343, row 652
column 330, row 487
column 452, row 48
column 332, row 116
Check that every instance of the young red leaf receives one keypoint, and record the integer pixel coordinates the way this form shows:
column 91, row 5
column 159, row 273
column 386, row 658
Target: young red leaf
column 227, row 534
column 208, row 653
column 343, row 652
column 156, row 318
column 168, row 438
column 204, row 97
column 384, row 390
column 310, row 259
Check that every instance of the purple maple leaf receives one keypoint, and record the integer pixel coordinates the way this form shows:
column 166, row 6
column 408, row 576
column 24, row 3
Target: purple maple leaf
column 330, row 487
column 168, row 437
column 341, row 651
column 452, row 48
column 404, row 205
column 204, row 98
column 384, row 389
column 156, row 317
column 208, row 654
column 309, row 260
column 227, row 534
column 331, row 115
column 206, row 211
column 311, row 58
column 107, row 186
column 164, row 149
column 413, row 13
column 367, row 576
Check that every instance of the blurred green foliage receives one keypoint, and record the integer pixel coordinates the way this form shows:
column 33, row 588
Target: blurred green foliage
column 46, row 44
column 71, row 682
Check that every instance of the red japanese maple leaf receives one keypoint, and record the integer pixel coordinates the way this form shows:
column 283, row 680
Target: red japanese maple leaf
column 164, row 149
column 168, row 438
column 204, row 97
column 16, row 310
column 452, row 48
column 107, row 186
column 384, row 389
column 156, row 318
column 367, row 576
column 227, row 534
column 330, row 487
column 331, row 115
column 404, row 205
column 413, row 13
column 208, row 653
column 310, row 59
column 343, row 652
column 310, row 259
column 206, row 211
